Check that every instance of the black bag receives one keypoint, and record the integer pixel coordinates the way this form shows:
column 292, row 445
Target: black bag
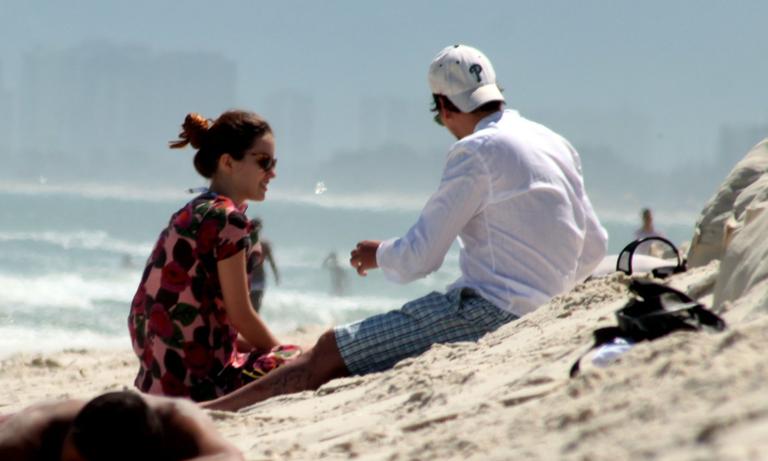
column 624, row 261
column 655, row 311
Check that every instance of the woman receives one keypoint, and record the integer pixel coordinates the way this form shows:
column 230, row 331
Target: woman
column 193, row 298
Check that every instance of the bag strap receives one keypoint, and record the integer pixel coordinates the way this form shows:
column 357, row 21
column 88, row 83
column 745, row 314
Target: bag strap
column 602, row 336
column 624, row 261
column 650, row 292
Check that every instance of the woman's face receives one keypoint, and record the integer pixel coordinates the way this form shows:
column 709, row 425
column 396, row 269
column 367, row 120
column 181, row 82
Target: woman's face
column 257, row 167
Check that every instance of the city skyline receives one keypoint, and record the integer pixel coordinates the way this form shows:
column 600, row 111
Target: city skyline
column 661, row 87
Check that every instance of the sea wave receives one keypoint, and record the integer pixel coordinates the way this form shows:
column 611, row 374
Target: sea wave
column 385, row 201
column 84, row 239
column 15, row 339
column 286, row 310
column 65, row 291
column 632, row 217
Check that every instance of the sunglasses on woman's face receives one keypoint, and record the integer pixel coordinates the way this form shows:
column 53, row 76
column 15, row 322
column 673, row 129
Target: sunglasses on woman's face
column 267, row 163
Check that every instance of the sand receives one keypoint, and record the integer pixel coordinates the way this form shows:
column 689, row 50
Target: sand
column 686, row 396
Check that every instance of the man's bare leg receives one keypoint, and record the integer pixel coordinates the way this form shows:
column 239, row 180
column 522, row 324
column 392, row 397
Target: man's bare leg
column 309, row 371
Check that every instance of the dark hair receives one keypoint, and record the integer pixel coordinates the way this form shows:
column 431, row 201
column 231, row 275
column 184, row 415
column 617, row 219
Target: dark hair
column 118, row 426
column 438, row 99
column 233, row 133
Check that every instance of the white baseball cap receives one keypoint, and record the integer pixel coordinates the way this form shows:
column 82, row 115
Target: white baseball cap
column 464, row 75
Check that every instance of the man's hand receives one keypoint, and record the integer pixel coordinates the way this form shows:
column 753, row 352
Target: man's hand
column 363, row 257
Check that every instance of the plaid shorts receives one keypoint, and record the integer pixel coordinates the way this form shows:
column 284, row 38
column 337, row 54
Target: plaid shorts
column 379, row 342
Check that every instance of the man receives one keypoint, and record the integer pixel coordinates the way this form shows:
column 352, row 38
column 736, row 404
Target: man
column 513, row 194
column 115, row 426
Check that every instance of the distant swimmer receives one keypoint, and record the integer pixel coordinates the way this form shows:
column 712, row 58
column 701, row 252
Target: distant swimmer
column 262, row 251
column 338, row 276
column 126, row 262
column 117, row 426
column 647, row 229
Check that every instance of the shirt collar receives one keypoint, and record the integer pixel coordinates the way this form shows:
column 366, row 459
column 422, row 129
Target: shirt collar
column 494, row 118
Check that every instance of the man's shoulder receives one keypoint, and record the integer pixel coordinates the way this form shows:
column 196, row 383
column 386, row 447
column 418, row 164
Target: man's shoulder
column 37, row 430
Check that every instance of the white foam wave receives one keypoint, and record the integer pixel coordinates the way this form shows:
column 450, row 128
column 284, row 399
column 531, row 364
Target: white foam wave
column 128, row 192
column 63, row 290
column 131, row 192
column 632, row 217
column 14, row 339
column 364, row 201
column 88, row 240
column 285, row 310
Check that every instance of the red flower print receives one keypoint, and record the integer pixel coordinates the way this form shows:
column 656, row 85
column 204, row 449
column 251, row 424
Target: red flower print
column 197, row 358
column 226, row 250
column 160, row 322
column 206, row 236
column 159, row 246
column 174, row 277
column 221, row 315
column 147, row 356
column 265, row 363
column 183, row 219
column 137, row 305
column 172, row 386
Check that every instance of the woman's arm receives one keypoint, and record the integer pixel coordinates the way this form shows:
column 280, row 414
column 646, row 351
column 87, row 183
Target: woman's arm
column 234, row 288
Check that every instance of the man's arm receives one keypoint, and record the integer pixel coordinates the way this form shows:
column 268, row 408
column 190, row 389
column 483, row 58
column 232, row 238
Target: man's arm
column 21, row 434
column 463, row 192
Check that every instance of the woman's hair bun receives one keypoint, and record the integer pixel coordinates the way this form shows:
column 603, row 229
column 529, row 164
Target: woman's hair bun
column 193, row 131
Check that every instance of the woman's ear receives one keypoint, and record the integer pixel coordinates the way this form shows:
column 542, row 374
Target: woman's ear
column 225, row 163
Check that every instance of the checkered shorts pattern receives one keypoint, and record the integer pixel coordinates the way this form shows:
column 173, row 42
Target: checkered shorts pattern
column 379, row 342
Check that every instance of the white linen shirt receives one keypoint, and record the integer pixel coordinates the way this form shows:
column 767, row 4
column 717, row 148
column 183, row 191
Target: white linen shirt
column 513, row 194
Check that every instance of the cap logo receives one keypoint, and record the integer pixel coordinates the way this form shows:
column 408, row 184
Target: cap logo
column 476, row 69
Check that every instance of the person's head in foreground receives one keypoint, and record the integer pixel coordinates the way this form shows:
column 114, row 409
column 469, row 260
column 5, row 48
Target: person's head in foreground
column 115, row 426
column 464, row 88
column 236, row 152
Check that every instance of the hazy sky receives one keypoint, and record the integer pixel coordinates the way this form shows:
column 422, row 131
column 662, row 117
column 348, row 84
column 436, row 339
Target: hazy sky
column 653, row 79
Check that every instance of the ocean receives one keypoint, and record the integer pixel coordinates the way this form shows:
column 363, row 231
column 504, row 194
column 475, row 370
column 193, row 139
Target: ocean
column 71, row 257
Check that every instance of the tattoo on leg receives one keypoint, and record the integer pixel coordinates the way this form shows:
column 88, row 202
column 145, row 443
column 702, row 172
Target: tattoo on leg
column 290, row 381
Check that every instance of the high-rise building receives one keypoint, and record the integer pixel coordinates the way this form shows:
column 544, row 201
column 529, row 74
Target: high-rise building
column 7, row 118
column 104, row 98
column 292, row 117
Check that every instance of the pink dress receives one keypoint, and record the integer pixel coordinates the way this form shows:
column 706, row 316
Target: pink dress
column 179, row 329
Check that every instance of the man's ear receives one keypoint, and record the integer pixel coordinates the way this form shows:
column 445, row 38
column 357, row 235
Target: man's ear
column 445, row 114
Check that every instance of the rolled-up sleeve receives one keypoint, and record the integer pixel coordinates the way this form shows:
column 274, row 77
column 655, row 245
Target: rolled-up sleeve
column 462, row 193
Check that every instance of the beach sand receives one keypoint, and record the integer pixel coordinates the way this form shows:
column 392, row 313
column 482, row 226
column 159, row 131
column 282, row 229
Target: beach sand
column 686, row 396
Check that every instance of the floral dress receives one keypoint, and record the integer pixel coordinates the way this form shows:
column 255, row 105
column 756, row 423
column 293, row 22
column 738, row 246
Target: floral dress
column 179, row 328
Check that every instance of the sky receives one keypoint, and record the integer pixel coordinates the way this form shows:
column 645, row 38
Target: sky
column 653, row 81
